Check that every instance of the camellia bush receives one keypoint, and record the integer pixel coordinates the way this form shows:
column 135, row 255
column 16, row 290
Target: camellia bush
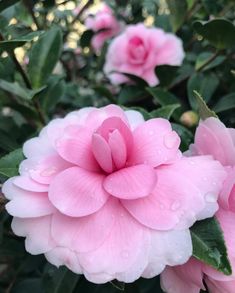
column 117, row 146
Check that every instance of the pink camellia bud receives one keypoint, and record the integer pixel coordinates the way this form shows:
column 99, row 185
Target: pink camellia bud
column 104, row 25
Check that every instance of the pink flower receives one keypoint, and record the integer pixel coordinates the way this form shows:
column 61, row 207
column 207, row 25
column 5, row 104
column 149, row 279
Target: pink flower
column 189, row 277
column 109, row 195
column 138, row 50
column 105, row 26
column 213, row 138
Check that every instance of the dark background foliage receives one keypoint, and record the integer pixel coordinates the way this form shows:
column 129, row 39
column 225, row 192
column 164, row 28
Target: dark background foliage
column 47, row 68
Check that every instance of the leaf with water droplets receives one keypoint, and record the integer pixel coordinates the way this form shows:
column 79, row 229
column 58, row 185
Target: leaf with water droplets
column 209, row 245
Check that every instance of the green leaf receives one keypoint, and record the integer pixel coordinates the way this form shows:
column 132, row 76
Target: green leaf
column 15, row 89
column 28, row 285
column 225, row 103
column 86, row 37
column 203, row 109
column 166, row 74
column 162, row 97
column 7, row 3
column 204, row 57
column 219, row 32
column 185, row 135
column 7, row 143
column 130, row 94
column 44, row 56
column 165, row 111
column 9, row 164
column 205, row 84
column 209, row 246
column 60, row 280
column 118, row 285
column 10, row 45
column 52, row 94
column 136, row 79
column 178, row 10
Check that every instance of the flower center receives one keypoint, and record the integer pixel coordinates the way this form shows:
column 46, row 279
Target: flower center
column 136, row 50
column 111, row 144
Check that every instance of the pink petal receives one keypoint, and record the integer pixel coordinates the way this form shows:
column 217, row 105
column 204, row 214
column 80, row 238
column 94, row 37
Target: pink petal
column 135, row 118
column 60, row 256
column 128, row 183
column 118, row 149
column 227, row 195
column 120, row 249
column 78, row 150
column 220, row 286
column 186, row 278
column 85, row 233
column 110, row 124
column 35, row 243
column 102, row 152
column 25, row 182
column 45, row 170
column 154, row 143
column 76, row 192
column 164, row 245
column 169, row 204
column 207, row 175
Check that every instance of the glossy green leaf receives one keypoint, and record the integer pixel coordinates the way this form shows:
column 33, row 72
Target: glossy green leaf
column 166, row 74
column 9, row 164
column 162, row 97
column 185, row 135
column 219, row 32
column 225, row 103
column 165, row 111
column 205, row 84
column 209, row 246
column 178, row 10
column 43, row 56
column 7, row 3
column 203, row 109
column 15, row 89
column 204, row 57
column 130, row 94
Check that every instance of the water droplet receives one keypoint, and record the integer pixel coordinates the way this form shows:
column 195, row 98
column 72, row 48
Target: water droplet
column 205, row 178
column 121, row 215
column 48, row 172
column 125, row 254
column 159, row 152
column 151, row 132
column 162, row 206
column 191, row 162
column 214, row 183
column 171, row 140
column 175, row 205
column 211, row 197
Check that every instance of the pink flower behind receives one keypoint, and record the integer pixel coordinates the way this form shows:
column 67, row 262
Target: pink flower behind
column 105, row 26
column 211, row 138
column 138, row 50
column 109, row 195
column 189, row 277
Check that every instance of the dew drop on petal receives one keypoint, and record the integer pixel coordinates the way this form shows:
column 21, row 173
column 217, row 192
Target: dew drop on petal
column 171, row 140
column 125, row 254
column 211, row 197
column 175, row 205
column 48, row 172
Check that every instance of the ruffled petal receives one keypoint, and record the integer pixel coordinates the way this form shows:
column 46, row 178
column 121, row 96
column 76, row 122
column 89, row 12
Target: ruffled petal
column 76, row 192
column 128, row 183
column 36, row 242
column 60, row 256
column 84, row 233
column 154, row 143
column 175, row 201
column 126, row 241
column 26, row 183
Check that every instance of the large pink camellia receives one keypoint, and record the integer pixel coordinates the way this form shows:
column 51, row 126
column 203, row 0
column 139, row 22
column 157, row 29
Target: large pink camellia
column 110, row 195
column 211, row 138
column 104, row 25
column 138, row 50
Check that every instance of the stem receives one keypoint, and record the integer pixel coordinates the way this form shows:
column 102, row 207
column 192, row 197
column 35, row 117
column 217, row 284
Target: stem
column 212, row 58
column 89, row 2
column 29, row 6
